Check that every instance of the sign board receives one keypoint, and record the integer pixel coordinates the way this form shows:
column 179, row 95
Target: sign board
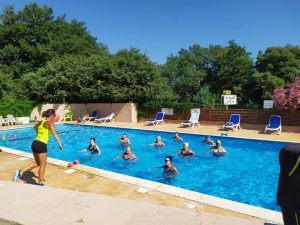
column 167, row 111
column 229, row 99
column 196, row 110
column 268, row 104
column 226, row 92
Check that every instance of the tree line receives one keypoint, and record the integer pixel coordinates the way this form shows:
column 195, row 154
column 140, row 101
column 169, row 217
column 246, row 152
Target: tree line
column 45, row 58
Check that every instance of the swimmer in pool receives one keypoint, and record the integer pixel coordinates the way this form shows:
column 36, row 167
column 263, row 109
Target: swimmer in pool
column 185, row 151
column 158, row 142
column 208, row 141
column 127, row 155
column 93, row 147
column 177, row 137
column 218, row 150
column 124, row 140
column 79, row 121
column 168, row 167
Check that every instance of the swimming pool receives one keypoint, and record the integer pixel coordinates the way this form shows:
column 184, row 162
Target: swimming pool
column 248, row 174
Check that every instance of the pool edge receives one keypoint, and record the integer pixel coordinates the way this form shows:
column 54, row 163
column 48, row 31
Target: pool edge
column 266, row 214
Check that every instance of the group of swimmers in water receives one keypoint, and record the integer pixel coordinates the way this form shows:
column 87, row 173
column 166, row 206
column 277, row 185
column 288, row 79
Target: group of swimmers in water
column 44, row 128
column 185, row 151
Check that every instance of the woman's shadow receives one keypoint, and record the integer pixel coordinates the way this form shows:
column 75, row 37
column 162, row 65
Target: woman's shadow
column 28, row 177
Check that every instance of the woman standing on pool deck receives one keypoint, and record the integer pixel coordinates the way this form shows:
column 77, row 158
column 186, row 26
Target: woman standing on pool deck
column 39, row 145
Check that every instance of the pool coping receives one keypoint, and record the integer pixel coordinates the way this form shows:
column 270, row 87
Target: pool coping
column 141, row 129
column 266, row 214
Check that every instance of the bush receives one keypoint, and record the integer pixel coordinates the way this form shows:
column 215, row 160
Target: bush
column 16, row 107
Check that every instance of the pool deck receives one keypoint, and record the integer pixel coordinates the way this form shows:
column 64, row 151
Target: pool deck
column 131, row 206
column 252, row 131
column 90, row 198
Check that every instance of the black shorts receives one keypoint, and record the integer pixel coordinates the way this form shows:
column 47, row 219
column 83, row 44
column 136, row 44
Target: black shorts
column 38, row 147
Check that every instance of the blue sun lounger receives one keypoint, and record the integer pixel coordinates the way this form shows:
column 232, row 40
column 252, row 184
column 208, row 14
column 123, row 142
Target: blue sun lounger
column 274, row 124
column 234, row 122
column 92, row 116
column 158, row 119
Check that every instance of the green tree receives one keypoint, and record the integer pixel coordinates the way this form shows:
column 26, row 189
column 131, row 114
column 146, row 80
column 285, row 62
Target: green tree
column 205, row 99
column 230, row 69
column 282, row 62
column 128, row 76
column 140, row 78
column 186, row 71
column 32, row 36
column 262, row 85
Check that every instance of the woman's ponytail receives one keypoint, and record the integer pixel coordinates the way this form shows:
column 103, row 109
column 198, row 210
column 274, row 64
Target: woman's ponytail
column 48, row 113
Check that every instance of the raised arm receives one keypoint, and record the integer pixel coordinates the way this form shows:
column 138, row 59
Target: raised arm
column 119, row 156
column 210, row 150
column 175, row 170
column 84, row 150
column 52, row 128
column 98, row 150
column 191, row 151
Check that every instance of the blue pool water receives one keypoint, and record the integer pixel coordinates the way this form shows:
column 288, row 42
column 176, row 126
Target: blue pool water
column 248, row 174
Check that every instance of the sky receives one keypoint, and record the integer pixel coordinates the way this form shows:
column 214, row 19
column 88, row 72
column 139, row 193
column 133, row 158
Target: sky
column 160, row 28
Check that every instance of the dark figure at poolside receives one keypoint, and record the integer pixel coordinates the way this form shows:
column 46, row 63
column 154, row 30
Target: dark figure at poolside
column 185, row 151
column 288, row 194
column 93, row 147
column 168, row 167
column 127, row 155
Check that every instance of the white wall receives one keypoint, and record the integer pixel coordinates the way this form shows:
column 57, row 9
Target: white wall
column 125, row 112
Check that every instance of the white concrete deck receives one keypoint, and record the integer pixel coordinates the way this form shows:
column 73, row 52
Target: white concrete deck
column 35, row 205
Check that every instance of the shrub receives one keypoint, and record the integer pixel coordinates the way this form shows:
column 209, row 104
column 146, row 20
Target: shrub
column 16, row 107
column 288, row 98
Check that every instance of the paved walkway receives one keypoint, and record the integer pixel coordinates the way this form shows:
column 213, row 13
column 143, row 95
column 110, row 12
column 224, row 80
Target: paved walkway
column 31, row 204
column 23, row 202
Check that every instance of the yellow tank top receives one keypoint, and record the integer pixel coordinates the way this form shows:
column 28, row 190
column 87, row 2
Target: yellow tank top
column 43, row 134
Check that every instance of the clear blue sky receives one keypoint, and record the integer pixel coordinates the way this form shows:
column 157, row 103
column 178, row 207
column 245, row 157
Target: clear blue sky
column 162, row 27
